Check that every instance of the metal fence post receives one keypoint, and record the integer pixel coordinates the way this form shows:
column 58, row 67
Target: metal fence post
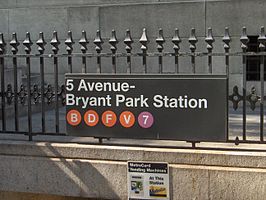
column 2, row 68
column 55, row 43
column 28, row 43
column 209, row 40
column 41, row 43
column 98, row 42
column 160, row 41
column 83, row 42
column 113, row 42
column 14, row 43
column 128, row 41
column 144, row 42
column 227, row 40
column 244, row 40
column 262, row 41
column 69, row 43
column 176, row 40
column 193, row 40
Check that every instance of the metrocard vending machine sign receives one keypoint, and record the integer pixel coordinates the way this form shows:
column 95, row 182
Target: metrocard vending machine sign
column 148, row 180
column 188, row 107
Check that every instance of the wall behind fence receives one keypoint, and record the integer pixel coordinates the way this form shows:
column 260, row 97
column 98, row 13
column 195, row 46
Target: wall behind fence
column 33, row 16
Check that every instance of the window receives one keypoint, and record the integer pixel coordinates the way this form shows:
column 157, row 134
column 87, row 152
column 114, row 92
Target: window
column 253, row 62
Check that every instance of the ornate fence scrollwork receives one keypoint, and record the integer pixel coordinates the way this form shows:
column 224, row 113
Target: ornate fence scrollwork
column 236, row 98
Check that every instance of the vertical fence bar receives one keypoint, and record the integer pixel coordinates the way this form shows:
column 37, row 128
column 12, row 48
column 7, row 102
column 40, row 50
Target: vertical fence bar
column 55, row 43
column 227, row 40
column 128, row 41
column 144, row 42
column 160, row 41
column 209, row 39
column 69, row 43
column 98, row 42
column 113, row 42
column 41, row 43
column 193, row 40
column 2, row 68
column 262, row 41
column 244, row 40
column 83, row 42
column 176, row 40
column 14, row 43
column 15, row 72
column 27, row 43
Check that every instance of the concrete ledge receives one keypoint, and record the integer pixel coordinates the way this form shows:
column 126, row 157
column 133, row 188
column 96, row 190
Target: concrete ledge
column 122, row 153
column 98, row 171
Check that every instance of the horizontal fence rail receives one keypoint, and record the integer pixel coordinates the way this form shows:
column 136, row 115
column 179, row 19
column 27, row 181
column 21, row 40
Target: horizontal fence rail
column 49, row 98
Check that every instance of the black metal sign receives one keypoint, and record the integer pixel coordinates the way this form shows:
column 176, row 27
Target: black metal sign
column 178, row 107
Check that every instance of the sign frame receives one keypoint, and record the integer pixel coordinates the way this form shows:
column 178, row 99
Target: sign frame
column 159, row 77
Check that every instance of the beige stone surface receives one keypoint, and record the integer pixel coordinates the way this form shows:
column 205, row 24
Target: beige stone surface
column 100, row 172
column 237, row 184
column 31, row 196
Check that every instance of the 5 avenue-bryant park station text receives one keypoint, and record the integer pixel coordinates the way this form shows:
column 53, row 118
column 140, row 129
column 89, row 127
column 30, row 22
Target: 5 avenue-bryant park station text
column 158, row 101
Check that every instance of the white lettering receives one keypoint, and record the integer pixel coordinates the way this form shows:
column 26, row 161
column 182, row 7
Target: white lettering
column 146, row 117
column 84, row 102
column 82, row 85
column 204, row 102
column 74, row 117
column 119, row 99
column 192, row 103
column 108, row 118
column 70, row 99
column 131, row 102
column 91, row 118
column 160, row 101
column 103, row 86
column 127, row 120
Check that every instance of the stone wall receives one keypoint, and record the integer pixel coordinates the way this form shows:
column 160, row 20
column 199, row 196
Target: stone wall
column 100, row 172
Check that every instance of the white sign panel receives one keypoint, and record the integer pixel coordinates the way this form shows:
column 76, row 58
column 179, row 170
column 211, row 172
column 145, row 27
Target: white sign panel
column 148, row 180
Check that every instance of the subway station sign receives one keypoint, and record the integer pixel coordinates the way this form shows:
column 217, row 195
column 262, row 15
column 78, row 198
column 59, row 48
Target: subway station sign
column 176, row 107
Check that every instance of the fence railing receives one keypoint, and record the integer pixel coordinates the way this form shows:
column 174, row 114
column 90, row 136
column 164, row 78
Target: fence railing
column 46, row 100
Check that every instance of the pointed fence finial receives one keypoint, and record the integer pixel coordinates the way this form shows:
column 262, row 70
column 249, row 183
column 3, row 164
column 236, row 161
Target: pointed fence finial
column 2, row 44
column 98, row 42
column 14, row 43
column 69, row 42
column 192, row 40
column 262, row 39
column 144, row 41
column 244, row 39
column 41, row 43
column 128, row 41
column 176, row 40
column 55, row 43
column 27, row 43
column 83, row 42
column 113, row 42
column 209, row 39
column 226, row 39
column 160, row 40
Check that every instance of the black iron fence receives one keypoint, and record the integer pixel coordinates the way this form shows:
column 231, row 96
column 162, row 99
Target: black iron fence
column 46, row 100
